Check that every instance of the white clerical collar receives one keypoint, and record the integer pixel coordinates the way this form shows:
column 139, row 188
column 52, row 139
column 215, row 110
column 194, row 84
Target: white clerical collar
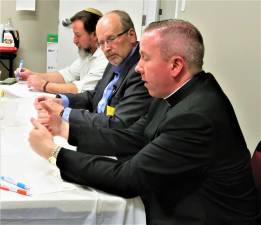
column 177, row 89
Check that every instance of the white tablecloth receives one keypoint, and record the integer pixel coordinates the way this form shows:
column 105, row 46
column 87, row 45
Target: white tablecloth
column 53, row 201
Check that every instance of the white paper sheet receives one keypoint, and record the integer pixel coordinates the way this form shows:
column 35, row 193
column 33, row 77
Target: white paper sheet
column 47, row 181
column 21, row 90
column 17, row 90
column 18, row 159
column 44, row 178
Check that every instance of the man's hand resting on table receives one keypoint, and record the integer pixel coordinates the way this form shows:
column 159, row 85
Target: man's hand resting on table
column 36, row 82
column 41, row 140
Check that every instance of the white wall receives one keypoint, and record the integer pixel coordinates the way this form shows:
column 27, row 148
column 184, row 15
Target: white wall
column 1, row 11
column 67, row 50
column 150, row 9
column 232, row 35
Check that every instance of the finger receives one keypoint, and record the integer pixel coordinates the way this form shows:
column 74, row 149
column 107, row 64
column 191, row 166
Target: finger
column 23, row 77
column 38, row 107
column 46, row 105
column 37, row 102
column 58, row 101
column 36, row 124
column 44, row 120
column 42, row 113
column 21, row 73
column 49, row 128
column 40, row 98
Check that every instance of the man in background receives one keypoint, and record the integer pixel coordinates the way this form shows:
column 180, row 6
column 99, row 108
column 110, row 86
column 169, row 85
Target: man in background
column 190, row 163
column 119, row 98
column 84, row 73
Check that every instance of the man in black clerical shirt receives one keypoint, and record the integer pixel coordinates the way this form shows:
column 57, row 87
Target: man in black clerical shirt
column 190, row 164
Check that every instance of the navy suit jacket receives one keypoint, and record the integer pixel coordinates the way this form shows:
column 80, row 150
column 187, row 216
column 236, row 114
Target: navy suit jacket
column 190, row 163
column 129, row 98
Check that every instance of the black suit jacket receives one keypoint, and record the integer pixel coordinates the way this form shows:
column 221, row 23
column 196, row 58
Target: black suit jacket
column 190, row 163
column 130, row 99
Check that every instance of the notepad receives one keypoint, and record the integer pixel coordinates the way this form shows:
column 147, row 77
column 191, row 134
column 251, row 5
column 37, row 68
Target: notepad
column 8, row 81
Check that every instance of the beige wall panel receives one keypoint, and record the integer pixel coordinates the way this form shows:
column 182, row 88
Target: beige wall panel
column 232, row 35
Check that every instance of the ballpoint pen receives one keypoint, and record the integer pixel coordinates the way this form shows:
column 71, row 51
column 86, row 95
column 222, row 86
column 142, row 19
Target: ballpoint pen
column 12, row 181
column 15, row 189
column 21, row 65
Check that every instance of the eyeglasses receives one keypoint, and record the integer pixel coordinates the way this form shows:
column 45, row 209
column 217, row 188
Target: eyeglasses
column 112, row 38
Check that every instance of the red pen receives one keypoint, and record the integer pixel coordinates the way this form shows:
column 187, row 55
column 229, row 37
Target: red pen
column 14, row 189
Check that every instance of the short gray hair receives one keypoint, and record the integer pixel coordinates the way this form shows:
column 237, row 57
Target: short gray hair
column 179, row 37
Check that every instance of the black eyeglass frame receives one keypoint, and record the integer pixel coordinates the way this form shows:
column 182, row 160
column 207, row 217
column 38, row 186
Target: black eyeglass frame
column 112, row 38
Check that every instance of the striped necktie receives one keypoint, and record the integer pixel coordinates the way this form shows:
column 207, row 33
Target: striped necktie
column 107, row 93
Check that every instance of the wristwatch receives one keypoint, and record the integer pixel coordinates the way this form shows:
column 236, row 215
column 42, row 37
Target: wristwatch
column 53, row 157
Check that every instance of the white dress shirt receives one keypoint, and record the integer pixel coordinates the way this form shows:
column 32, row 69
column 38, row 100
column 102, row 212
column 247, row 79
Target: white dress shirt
column 85, row 72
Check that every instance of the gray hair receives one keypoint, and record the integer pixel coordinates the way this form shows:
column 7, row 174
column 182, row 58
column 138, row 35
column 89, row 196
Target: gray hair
column 125, row 19
column 179, row 37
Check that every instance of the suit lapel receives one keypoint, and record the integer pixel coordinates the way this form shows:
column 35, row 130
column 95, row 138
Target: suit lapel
column 109, row 77
column 128, row 66
column 105, row 81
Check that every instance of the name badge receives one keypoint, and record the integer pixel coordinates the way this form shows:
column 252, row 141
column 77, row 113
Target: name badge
column 110, row 110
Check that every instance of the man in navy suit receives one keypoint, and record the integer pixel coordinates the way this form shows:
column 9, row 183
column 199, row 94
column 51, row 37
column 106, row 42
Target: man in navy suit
column 119, row 98
column 189, row 162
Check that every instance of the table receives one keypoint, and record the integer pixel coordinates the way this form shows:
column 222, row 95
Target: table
column 62, row 202
column 10, row 56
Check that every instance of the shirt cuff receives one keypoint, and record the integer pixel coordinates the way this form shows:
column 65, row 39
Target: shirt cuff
column 65, row 100
column 66, row 114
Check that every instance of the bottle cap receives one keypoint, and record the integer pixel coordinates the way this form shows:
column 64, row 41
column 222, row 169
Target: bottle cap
column 9, row 25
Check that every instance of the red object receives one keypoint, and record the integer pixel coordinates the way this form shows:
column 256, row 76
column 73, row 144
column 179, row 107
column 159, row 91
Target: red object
column 8, row 49
column 17, row 190
column 4, row 188
column 256, row 167
column 21, row 191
